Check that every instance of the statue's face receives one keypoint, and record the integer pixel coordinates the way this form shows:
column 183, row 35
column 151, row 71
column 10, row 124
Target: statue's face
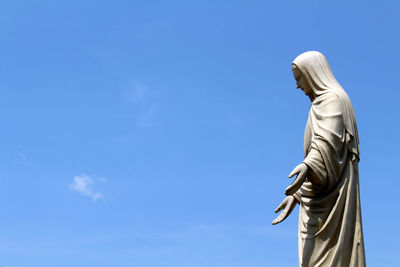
column 301, row 82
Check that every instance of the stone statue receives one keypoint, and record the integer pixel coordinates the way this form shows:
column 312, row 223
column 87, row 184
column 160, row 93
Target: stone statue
column 326, row 187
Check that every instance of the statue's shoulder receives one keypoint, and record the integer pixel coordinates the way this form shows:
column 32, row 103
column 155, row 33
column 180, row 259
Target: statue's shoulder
column 328, row 102
column 326, row 98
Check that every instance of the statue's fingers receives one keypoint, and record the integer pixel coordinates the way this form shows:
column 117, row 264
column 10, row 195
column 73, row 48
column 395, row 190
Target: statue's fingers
column 280, row 207
column 295, row 171
column 291, row 189
column 302, row 175
column 280, row 218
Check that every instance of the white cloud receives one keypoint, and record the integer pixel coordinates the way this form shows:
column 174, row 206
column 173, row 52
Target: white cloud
column 83, row 184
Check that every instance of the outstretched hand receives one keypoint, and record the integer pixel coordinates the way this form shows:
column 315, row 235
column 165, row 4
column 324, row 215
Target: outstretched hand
column 301, row 171
column 287, row 205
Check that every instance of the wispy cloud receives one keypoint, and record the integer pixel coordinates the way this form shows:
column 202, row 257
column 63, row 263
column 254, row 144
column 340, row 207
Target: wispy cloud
column 21, row 158
column 138, row 93
column 145, row 105
column 146, row 117
column 83, row 185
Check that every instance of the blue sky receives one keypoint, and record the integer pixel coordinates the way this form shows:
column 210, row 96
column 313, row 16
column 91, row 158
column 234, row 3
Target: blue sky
column 161, row 133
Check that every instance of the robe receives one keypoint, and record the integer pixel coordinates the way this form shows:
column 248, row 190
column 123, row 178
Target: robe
column 330, row 228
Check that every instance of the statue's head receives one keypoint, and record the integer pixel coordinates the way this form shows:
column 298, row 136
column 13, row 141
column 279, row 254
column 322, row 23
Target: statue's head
column 313, row 74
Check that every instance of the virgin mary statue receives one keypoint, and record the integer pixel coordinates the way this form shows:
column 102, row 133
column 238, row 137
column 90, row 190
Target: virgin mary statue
column 326, row 186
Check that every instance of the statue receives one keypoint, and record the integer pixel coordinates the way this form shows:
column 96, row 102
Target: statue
column 326, row 187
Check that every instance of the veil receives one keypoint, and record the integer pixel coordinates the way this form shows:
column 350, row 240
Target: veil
column 315, row 68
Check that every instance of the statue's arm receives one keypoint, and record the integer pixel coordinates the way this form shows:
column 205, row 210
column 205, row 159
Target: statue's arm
column 317, row 173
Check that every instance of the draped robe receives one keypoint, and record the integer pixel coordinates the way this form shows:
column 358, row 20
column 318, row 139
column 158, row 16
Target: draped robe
column 330, row 229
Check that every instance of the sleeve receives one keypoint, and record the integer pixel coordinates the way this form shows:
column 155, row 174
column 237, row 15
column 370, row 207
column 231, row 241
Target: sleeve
column 317, row 172
column 327, row 155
